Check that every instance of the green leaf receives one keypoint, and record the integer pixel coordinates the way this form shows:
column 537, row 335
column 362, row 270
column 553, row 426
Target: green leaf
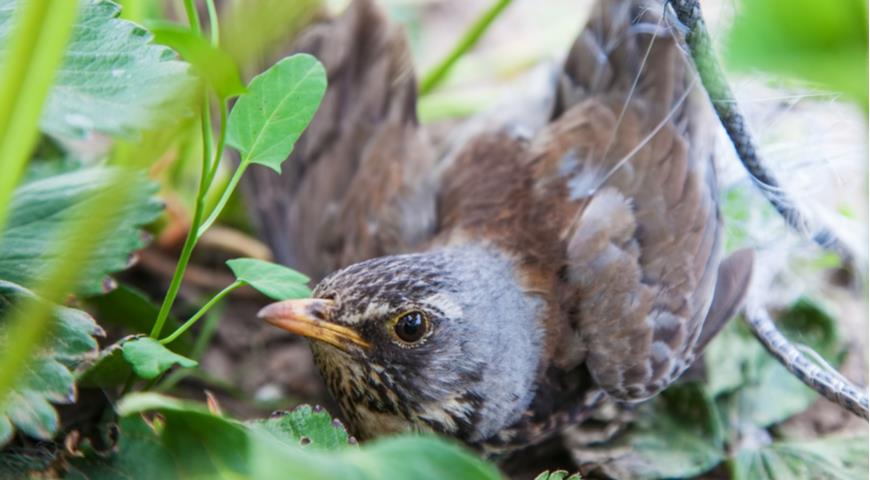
column 558, row 475
column 275, row 281
column 266, row 122
column 764, row 392
column 215, row 65
column 824, row 43
column 139, row 454
column 112, row 79
column 835, row 458
column 149, row 358
column 48, row 378
column 131, row 309
column 202, row 445
column 38, row 210
column 304, row 426
column 414, row 456
column 108, row 369
column 677, row 435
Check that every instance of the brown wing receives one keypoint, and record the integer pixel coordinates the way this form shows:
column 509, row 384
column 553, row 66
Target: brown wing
column 360, row 181
column 633, row 143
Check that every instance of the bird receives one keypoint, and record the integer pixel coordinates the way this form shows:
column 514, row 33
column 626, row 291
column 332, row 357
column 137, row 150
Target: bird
column 499, row 291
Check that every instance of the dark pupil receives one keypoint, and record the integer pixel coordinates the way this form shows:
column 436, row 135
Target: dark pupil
column 410, row 327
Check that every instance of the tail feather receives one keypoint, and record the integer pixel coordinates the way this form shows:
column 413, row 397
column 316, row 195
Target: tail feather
column 626, row 50
column 327, row 209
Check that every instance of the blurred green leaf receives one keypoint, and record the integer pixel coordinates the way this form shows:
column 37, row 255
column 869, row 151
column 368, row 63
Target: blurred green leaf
column 112, row 79
column 39, row 210
column 558, row 475
column 275, row 281
column 150, row 359
column 763, row 391
column 215, row 65
column 48, row 378
column 304, row 426
column 835, row 458
column 109, row 369
column 139, row 454
column 824, row 43
column 20, row 463
column 677, row 435
column 277, row 21
column 193, row 443
column 412, row 456
column 266, row 122
column 128, row 307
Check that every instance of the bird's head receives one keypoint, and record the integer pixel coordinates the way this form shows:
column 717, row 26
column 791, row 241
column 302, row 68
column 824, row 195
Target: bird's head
column 446, row 341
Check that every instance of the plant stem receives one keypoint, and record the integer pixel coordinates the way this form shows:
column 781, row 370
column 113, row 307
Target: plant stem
column 192, row 15
column 214, row 28
column 222, row 136
column 196, row 316
column 437, row 74
column 225, row 197
column 202, row 191
column 36, row 47
column 190, row 240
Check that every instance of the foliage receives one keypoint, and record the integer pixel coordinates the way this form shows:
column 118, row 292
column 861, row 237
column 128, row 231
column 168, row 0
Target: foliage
column 558, row 475
column 112, row 79
column 40, row 209
column 304, row 426
column 76, row 221
column 115, row 81
column 189, row 441
column 266, row 122
column 824, row 43
column 48, row 378
column 732, row 418
column 274, row 281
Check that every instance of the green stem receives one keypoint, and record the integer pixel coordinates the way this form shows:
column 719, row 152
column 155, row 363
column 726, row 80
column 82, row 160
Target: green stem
column 207, row 139
column 190, row 240
column 222, row 136
column 214, row 28
column 192, row 15
column 196, row 316
column 468, row 40
column 225, row 197
column 36, row 47
column 206, row 175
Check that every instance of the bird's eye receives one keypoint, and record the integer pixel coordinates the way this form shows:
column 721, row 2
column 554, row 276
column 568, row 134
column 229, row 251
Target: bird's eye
column 411, row 327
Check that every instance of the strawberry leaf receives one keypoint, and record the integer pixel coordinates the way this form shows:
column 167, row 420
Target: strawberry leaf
column 49, row 377
column 112, row 79
column 40, row 208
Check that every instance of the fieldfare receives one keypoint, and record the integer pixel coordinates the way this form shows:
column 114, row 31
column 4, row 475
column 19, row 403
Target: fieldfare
column 501, row 292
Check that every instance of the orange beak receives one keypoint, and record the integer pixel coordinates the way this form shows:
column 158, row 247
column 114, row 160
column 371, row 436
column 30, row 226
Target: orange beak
column 311, row 318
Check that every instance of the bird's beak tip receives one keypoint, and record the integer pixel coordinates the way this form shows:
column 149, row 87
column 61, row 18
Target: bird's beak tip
column 311, row 318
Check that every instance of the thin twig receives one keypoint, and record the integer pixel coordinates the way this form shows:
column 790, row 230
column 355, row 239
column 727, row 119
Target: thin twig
column 823, row 379
column 468, row 40
column 826, row 381
column 701, row 49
